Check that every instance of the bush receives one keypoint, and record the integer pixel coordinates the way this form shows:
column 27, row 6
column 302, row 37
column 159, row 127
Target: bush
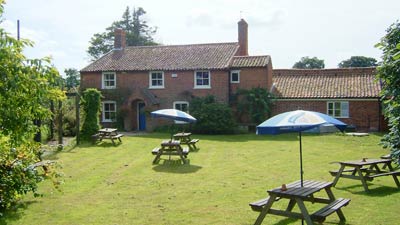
column 91, row 108
column 212, row 117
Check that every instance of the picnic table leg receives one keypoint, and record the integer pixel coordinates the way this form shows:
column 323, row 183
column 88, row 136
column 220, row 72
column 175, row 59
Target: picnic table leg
column 157, row 157
column 264, row 212
column 291, row 205
column 338, row 175
column 389, row 165
column 362, row 178
column 304, row 211
column 332, row 198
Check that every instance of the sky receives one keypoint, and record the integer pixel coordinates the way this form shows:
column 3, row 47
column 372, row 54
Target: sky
column 284, row 29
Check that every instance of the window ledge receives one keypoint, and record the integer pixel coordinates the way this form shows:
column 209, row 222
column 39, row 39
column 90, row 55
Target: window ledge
column 202, row 87
column 156, row 87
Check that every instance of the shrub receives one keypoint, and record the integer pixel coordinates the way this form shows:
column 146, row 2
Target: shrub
column 91, row 108
column 212, row 117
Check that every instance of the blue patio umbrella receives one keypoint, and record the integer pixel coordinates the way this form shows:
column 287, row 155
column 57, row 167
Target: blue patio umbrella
column 297, row 121
column 174, row 114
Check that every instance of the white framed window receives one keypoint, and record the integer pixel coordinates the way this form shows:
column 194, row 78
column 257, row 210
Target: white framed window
column 183, row 106
column 338, row 109
column 109, row 80
column 109, row 112
column 202, row 79
column 235, row 76
column 156, row 79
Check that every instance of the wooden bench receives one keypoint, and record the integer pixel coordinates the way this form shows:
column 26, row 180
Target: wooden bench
column 335, row 172
column 193, row 143
column 393, row 173
column 113, row 137
column 155, row 151
column 332, row 207
column 95, row 137
column 185, row 151
column 259, row 205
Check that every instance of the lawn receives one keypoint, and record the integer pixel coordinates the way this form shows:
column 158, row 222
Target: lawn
column 106, row 184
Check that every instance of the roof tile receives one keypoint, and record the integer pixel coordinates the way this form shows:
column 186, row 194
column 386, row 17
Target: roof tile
column 168, row 57
column 326, row 83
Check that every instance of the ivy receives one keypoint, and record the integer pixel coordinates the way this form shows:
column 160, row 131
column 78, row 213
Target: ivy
column 91, row 107
column 389, row 75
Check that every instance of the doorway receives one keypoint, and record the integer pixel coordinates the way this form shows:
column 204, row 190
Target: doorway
column 141, row 116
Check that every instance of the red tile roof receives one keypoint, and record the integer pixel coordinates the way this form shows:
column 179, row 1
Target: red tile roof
column 168, row 57
column 326, row 83
column 250, row 61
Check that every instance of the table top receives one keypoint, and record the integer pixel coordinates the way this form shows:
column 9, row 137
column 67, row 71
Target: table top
column 295, row 190
column 107, row 130
column 170, row 142
column 182, row 134
column 363, row 162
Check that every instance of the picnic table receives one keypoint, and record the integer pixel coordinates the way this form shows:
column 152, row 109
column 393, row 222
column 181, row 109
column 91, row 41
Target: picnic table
column 365, row 170
column 297, row 194
column 185, row 138
column 108, row 133
column 170, row 147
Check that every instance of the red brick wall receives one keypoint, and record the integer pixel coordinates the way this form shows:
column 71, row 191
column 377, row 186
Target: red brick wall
column 363, row 114
column 251, row 78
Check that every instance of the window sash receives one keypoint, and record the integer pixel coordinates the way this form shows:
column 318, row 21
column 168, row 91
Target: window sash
column 338, row 109
column 157, row 79
column 235, row 76
column 202, row 78
column 109, row 80
column 109, row 111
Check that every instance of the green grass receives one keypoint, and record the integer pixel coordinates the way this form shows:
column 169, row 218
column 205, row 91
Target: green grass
column 107, row 184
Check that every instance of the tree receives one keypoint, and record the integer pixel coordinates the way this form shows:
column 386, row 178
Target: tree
column 388, row 73
column 309, row 63
column 212, row 117
column 138, row 33
column 26, row 87
column 72, row 78
column 255, row 102
column 358, row 61
column 91, row 107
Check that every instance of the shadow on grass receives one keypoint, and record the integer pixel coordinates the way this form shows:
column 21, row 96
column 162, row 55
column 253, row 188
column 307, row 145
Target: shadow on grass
column 380, row 191
column 15, row 213
column 175, row 166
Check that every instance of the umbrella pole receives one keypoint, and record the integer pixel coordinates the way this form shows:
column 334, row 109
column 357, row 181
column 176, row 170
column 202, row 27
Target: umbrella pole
column 301, row 161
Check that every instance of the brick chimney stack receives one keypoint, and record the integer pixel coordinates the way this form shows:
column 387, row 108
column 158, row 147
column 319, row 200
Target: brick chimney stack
column 242, row 37
column 119, row 39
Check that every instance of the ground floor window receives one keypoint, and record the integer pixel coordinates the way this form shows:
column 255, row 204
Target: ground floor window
column 183, row 106
column 338, row 109
column 109, row 111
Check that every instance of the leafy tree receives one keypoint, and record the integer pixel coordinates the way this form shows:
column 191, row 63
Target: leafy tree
column 212, row 117
column 91, row 107
column 255, row 102
column 72, row 78
column 26, row 86
column 138, row 33
column 358, row 61
column 388, row 73
column 309, row 63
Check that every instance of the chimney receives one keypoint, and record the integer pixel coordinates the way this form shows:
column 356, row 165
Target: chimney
column 242, row 37
column 119, row 39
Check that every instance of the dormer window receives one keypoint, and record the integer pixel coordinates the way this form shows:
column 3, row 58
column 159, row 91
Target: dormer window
column 109, row 80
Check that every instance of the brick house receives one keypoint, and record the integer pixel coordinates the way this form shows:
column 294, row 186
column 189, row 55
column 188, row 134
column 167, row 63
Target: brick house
column 349, row 94
column 137, row 80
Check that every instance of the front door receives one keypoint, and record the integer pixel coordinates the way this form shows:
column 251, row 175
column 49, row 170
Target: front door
column 141, row 116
